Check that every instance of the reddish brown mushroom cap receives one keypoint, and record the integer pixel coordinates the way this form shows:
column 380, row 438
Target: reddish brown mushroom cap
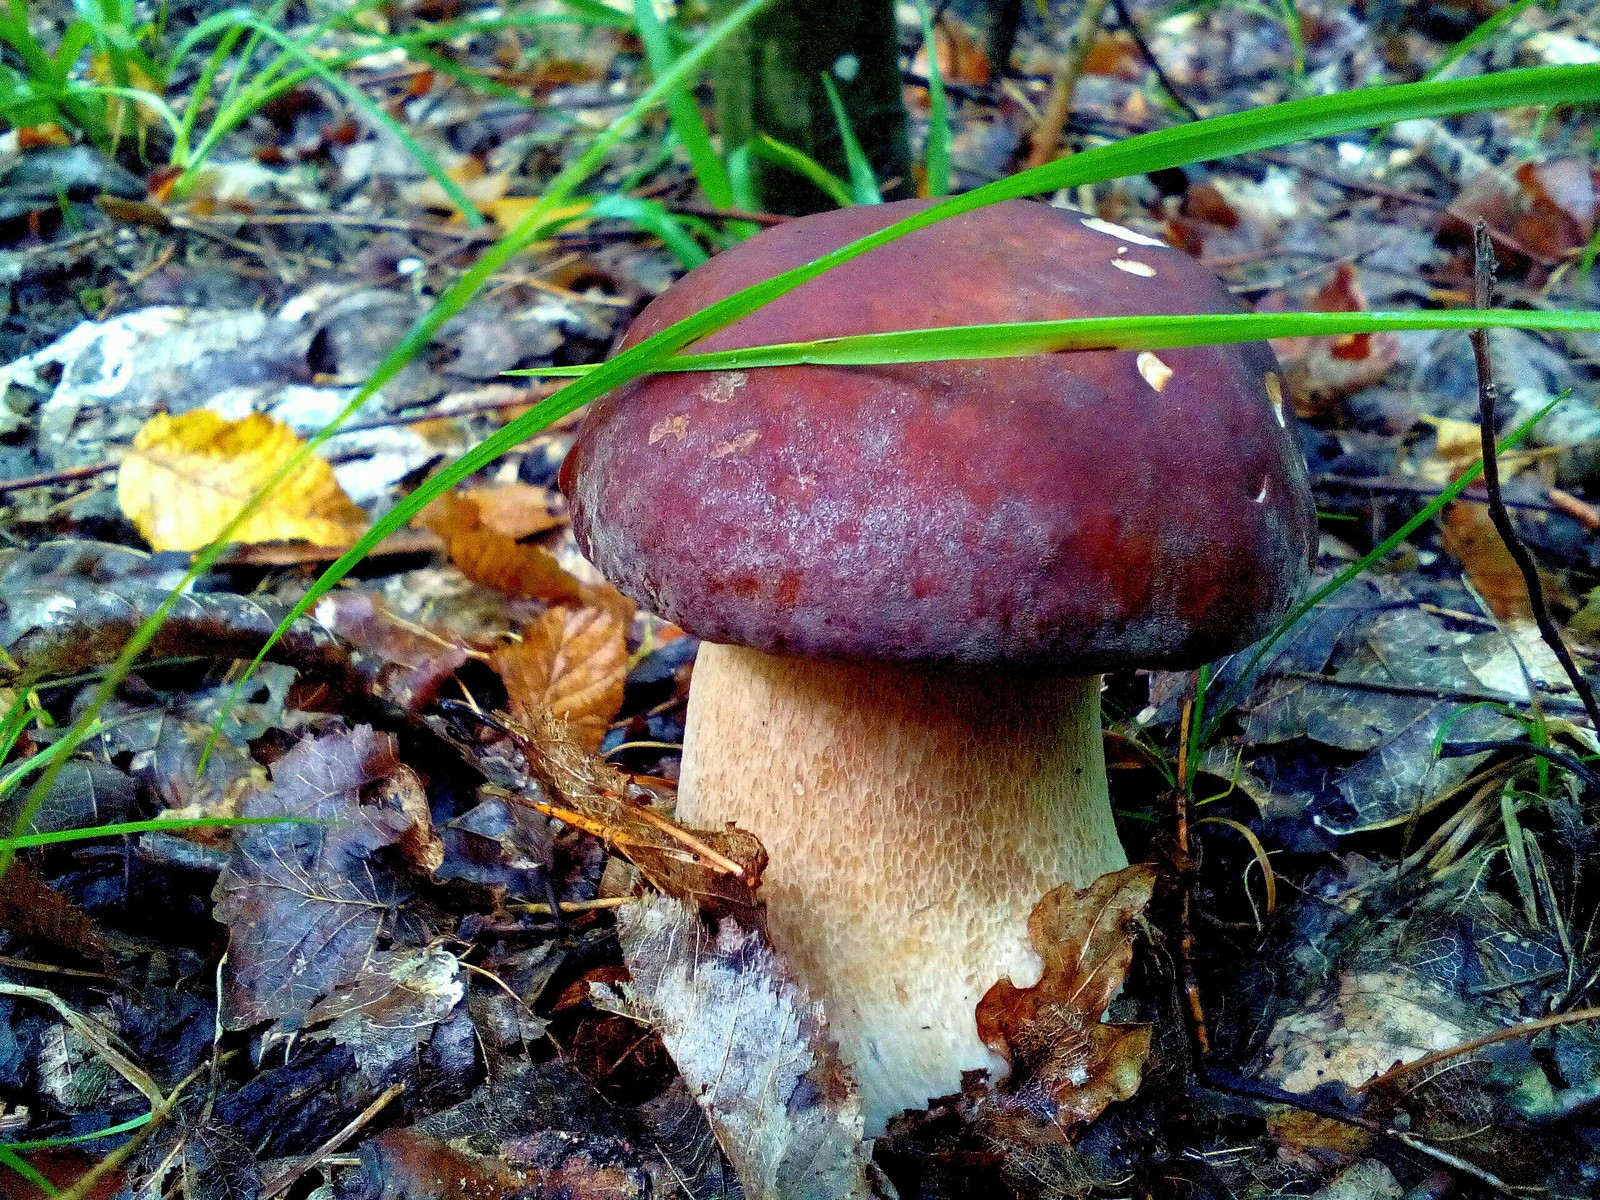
column 1078, row 511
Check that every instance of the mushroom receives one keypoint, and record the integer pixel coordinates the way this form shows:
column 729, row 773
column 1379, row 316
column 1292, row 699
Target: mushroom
column 908, row 580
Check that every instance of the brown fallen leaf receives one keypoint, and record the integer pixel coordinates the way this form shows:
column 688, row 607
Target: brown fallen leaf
column 187, row 476
column 305, row 902
column 572, row 661
column 494, row 559
column 718, row 870
column 518, row 510
column 403, row 661
column 406, row 1164
column 1321, row 369
column 1064, row 1059
column 1543, row 210
column 30, row 908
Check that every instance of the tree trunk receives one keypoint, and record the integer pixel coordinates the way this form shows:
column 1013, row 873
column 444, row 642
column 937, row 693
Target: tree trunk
column 768, row 80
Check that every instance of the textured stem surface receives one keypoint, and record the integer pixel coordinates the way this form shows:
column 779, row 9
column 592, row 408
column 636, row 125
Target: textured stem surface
column 913, row 818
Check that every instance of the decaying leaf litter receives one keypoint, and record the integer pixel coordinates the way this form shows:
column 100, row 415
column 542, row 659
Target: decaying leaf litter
column 469, row 949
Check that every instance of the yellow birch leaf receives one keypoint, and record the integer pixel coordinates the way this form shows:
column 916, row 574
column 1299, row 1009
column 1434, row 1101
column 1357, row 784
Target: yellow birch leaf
column 187, row 476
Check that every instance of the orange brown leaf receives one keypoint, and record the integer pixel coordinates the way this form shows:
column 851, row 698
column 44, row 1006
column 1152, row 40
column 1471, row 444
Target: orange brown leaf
column 1063, row 1057
column 572, row 661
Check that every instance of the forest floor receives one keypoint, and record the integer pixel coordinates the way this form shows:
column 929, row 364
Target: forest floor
column 1372, row 966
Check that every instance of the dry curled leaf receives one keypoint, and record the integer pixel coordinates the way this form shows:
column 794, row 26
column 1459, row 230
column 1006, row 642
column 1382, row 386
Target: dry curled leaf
column 1064, row 1059
column 187, row 476
column 715, row 869
column 494, row 559
column 572, row 661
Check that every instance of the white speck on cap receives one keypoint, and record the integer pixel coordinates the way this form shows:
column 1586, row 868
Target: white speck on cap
column 1117, row 231
column 1134, row 267
column 1155, row 372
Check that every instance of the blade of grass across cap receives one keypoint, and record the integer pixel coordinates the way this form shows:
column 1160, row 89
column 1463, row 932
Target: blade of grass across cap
column 936, row 158
column 450, row 302
column 1199, row 141
column 1095, row 333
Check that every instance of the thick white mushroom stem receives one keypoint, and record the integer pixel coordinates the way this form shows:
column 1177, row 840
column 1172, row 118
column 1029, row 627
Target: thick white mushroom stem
column 913, row 817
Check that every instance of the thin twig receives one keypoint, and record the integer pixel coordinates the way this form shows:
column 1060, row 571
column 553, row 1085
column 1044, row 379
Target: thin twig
column 1548, row 753
column 1125, row 19
column 1184, row 862
column 1047, row 137
column 600, row 904
column 1464, row 695
column 1387, row 486
column 281, row 1184
column 1526, row 1029
column 1483, row 296
column 50, row 478
column 1239, row 1085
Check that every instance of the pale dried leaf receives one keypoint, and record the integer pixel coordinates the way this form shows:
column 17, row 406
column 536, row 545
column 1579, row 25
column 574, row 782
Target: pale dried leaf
column 753, row 1048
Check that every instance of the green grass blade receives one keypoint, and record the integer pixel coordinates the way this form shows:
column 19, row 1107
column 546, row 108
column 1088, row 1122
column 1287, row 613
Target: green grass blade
column 1099, row 333
column 1486, row 30
column 10, row 1159
column 248, row 103
column 652, row 217
column 936, row 159
column 798, row 161
column 863, row 184
column 28, row 841
column 687, row 124
column 120, row 1127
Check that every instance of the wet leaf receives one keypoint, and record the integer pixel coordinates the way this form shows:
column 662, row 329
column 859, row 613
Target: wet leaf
column 305, row 902
column 403, row 1164
column 754, row 1049
column 1064, row 1059
column 391, row 1008
column 1369, row 1021
column 572, row 661
column 187, row 476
